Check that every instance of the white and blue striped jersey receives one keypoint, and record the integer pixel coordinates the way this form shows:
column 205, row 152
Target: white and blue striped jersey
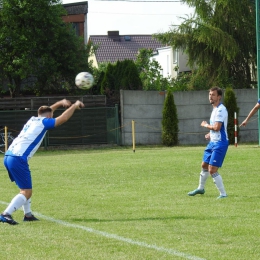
column 219, row 114
column 30, row 138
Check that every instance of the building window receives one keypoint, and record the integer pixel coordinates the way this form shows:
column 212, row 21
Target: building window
column 75, row 26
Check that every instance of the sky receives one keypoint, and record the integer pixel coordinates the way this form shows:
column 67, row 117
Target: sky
column 137, row 17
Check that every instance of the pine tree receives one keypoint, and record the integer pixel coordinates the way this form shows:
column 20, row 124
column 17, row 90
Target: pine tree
column 131, row 77
column 219, row 41
column 108, row 82
column 230, row 103
column 170, row 121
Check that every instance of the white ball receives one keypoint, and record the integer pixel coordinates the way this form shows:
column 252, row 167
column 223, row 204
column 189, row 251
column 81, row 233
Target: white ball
column 84, row 80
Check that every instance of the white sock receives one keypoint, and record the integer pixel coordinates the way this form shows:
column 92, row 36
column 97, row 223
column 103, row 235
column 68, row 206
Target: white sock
column 15, row 204
column 204, row 174
column 217, row 179
column 27, row 207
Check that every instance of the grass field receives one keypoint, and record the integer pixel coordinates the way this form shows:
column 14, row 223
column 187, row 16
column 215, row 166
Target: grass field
column 116, row 204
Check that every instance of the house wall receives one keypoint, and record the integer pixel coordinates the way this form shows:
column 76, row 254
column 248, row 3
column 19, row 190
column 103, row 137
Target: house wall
column 145, row 108
column 165, row 59
column 75, row 18
column 81, row 20
column 169, row 59
column 182, row 62
column 94, row 60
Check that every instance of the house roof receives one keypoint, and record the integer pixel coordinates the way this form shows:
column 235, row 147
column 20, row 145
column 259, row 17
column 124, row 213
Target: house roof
column 76, row 8
column 114, row 47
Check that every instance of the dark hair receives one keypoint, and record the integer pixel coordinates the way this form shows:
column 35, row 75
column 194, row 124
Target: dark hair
column 44, row 109
column 219, row 90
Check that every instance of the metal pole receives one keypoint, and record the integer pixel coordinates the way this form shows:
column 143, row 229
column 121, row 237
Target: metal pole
column 258, row 60
column 116, row 124
column 235, row 123
column 133, row 134
column 6, row 139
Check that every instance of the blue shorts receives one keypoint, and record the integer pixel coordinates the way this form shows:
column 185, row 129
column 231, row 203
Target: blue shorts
column 215, row 153
column 18, row 170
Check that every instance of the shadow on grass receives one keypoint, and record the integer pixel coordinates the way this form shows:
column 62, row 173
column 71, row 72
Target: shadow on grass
column 145, row 219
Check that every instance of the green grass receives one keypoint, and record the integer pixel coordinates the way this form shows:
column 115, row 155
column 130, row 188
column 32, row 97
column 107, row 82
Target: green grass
column 116, row 204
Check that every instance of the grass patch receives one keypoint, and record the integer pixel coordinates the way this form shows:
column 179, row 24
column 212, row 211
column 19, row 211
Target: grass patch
column 139, row 196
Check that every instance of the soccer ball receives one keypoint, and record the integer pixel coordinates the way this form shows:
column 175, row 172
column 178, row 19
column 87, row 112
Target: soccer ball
column 84, row 80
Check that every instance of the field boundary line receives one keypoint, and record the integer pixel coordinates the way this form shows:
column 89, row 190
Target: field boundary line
column 117, row 237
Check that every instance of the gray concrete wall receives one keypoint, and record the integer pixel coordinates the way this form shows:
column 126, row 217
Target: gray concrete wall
column 246, row 100
column 145, row 108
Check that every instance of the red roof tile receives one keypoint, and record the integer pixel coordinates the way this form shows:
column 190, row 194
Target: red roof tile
column 114, row 47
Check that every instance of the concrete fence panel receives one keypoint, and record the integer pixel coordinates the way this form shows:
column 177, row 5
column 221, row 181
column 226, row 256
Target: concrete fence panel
column 146, row 107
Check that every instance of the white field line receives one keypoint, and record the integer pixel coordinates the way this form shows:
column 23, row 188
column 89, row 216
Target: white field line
column 116, row 237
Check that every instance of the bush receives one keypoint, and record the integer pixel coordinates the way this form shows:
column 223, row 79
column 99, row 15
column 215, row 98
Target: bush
column 150, row 71
column 230, row 102
column 121, row 75
column 170, row 121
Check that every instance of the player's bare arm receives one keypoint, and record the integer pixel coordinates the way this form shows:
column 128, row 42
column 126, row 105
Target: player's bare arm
column 215, row 127
column 207, row 136
column 66, row 115
column 251, row 113
column 62, row 103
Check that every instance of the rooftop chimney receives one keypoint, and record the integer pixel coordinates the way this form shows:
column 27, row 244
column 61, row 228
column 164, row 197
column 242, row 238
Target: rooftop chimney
column 113, row 33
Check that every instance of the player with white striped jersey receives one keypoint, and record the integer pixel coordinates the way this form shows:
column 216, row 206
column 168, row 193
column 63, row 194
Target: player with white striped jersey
column 219, row 114
column 215, row 152
column 31, row 136
column 23, row 148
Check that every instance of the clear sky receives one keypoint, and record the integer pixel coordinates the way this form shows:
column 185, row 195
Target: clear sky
column 133, row 17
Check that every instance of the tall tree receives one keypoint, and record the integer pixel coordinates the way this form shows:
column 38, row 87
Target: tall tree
column 230, row 102
column 150, row 71
column 109, row 81
column 121, row 75
column 170, row 121
column 35, row 42
column 219, row 40
column 130, row 77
